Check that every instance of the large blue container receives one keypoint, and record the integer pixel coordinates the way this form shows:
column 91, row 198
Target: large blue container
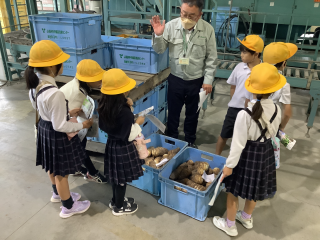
column 149, row 181
column 160, row 95
column 145, row 102
column 76, row 55
column 68, row 30
column 137, row 55
column 107, row 53
column 161, row 114
column 193, row 203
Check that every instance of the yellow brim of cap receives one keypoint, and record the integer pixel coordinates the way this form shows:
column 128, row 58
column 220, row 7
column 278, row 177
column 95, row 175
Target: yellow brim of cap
column 292, row 48
column 280, row 84
column 127, row 88
column 90, row 79
column 61, row 59
column 244, row 44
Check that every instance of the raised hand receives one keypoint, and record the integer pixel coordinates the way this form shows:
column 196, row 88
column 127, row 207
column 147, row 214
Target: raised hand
column 158, row 28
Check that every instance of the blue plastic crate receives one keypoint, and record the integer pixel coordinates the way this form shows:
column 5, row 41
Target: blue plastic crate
column 149, row 181
column 137, row 55
column 193, row 203
column 76, row 55
column 68, row 30
column 107, row 53
column 147, row 128
column 144, row 102
column 160, row 95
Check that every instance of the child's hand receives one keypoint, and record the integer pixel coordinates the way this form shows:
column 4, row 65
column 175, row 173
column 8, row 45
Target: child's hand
column 140, row 120
column 129, row 102
column 226, row 173
column 75, row 112
column 88, row 123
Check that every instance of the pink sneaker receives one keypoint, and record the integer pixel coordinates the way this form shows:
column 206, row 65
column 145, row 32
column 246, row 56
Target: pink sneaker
column 77, row 208
column 56, row 198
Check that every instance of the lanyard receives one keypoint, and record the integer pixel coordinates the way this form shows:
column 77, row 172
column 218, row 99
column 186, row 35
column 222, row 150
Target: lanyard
column 185, row 43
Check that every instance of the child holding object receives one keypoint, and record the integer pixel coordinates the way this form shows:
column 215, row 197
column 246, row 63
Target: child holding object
column 58, row 155
column 89, row 75
column 250, row 171
column 121, row 160
column 251, row 48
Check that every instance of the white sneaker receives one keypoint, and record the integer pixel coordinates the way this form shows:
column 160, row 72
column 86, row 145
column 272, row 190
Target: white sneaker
column 77, row 208
column 221, row 223
column 247, row 223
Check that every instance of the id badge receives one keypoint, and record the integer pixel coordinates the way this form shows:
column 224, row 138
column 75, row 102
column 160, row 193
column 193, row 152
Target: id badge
column 183, row 61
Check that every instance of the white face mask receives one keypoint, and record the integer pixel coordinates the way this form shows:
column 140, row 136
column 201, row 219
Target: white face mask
column 187, row 23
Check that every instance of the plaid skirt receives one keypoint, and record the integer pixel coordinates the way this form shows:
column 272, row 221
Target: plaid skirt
column 121, row 162
column 55, row 153
column 254, row 178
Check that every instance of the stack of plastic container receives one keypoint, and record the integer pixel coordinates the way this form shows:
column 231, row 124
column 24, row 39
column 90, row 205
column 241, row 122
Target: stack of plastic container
column 79, row 35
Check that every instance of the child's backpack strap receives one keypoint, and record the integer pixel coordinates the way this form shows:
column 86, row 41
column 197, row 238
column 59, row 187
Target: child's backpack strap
column 257, row 122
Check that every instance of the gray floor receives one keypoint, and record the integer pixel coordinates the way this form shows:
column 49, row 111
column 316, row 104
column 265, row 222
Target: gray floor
column 26, row 212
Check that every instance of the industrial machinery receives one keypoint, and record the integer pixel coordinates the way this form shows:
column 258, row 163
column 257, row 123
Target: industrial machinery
column 286, row 21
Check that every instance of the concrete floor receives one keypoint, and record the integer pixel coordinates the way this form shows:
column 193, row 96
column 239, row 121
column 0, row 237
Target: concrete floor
column 27, row 213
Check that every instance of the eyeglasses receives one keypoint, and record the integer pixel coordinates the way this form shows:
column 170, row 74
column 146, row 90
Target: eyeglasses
column 191, row 16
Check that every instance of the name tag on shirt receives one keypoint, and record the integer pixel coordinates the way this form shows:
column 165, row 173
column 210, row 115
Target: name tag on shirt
column 183, row 61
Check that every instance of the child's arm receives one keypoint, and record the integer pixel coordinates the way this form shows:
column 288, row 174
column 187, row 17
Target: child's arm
column 287, row 113
column 239, row 140
column 136, row 129
column 232, row 90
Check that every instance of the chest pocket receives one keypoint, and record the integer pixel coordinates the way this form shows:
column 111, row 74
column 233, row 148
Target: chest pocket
column 176, row 48
column 199, row 48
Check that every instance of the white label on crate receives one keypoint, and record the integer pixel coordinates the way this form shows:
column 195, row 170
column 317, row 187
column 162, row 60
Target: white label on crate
column 316, row 5
column 208, row 178
column 271, row 4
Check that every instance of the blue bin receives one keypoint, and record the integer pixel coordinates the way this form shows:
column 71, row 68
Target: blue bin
column 107, row 53
column 193, row 203
column 76, row 55
column 160, row 95
column 137, row 55
column 68, row 30
column 147, row 128
column 149, row 181
column 161, row 114
column 144, row 102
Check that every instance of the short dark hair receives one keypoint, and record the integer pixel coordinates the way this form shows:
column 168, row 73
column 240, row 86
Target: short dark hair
column 245, row 49
column 279, row 65
column 197, row 3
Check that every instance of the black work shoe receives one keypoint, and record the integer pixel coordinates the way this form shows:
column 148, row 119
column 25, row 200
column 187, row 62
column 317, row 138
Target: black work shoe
column 129, row 200
column 128, row 209
column 192, row 145
column 98, row 178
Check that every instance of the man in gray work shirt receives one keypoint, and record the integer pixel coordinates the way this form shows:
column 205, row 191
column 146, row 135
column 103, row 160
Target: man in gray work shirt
column 193, row 55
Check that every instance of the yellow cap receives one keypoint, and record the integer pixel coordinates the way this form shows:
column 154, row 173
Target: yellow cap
column 265, row 78
column 115, row 81
column 253, row 42
column 278, row 52
column 89, row 71
column 46, row 53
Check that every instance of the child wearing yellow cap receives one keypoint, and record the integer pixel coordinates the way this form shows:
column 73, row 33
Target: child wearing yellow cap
column 277, row 54
column 89, row 75
column 58, row 155
column 250, row 171
column 121, row 160
column 251, row 48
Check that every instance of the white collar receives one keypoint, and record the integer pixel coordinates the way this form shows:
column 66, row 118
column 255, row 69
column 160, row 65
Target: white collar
column 44, row 77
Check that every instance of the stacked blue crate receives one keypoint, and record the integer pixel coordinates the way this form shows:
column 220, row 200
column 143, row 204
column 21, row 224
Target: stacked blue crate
column 70, row 32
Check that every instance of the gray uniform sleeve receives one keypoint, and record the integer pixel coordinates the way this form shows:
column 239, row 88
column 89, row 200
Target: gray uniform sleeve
column 211, row 59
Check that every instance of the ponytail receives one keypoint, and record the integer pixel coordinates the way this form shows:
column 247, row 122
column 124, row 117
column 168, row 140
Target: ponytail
column 31, row 78
column 257, row 108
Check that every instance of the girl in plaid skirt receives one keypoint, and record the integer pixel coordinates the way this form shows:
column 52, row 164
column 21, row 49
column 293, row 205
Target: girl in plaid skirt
column 250, row 171
column 56, row 153
column 121, row 161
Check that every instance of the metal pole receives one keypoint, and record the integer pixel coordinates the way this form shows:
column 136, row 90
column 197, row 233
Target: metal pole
column 55, row 5
column 17, row 14
column 63, row 5
column 10, row 15
column 225, row 45
column 4, row 55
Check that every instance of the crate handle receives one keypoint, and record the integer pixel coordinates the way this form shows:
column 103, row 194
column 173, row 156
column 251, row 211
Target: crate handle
column 170, row 141
column 91, row 22
column 180, row 189
column 161, row 110
column 145, row 99
column 93, row 51
column 145, row 124
column 162, row 87
column 210, row 158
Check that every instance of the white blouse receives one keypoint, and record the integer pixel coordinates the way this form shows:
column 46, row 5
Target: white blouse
column 52, row 107
column 247, row 129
